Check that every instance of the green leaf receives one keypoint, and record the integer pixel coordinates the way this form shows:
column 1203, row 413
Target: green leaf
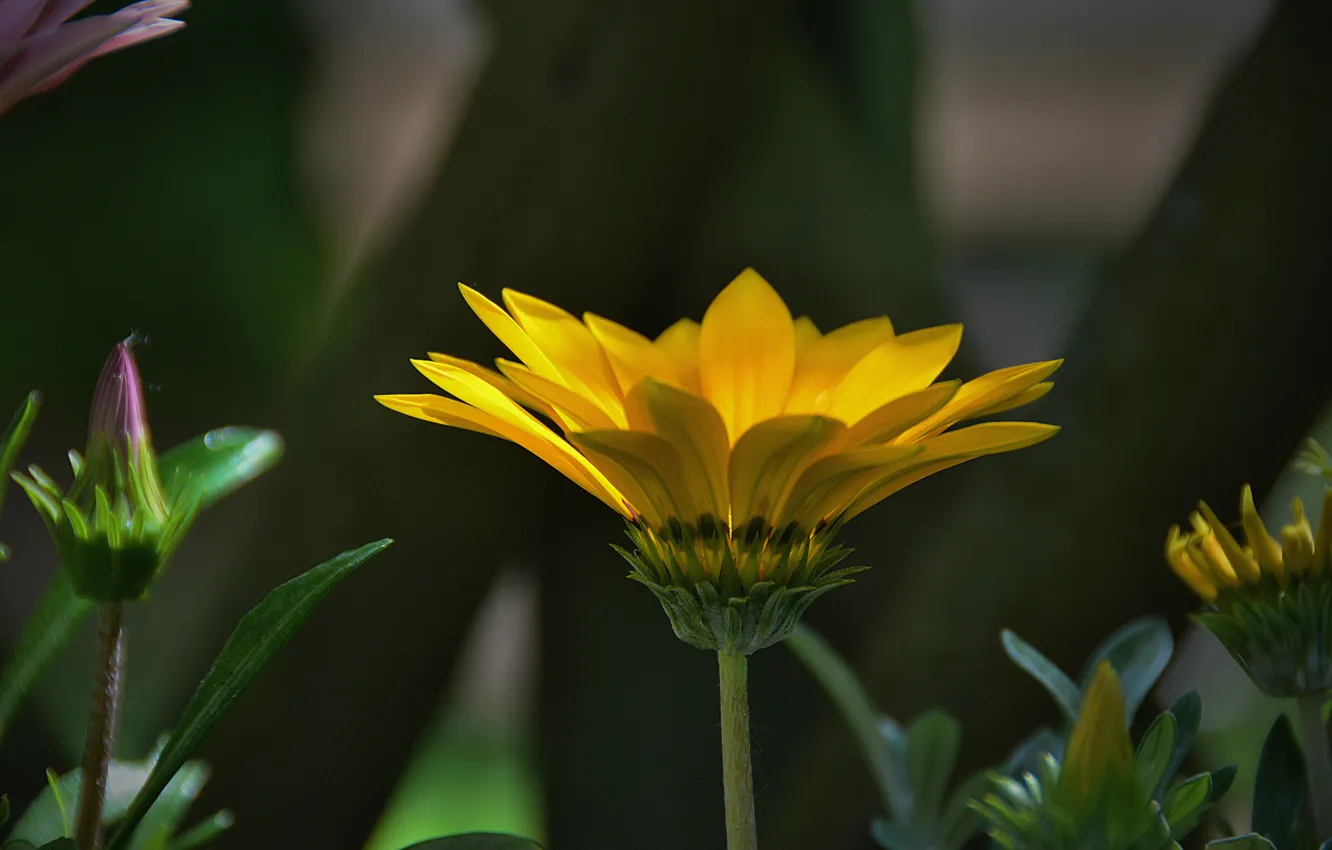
column 1185, row 804
column 1222, row 779
column 961, row 821
column 11, row 442
column 1154, row 751
column 858, row 710
column 1139, row 652
column 61, row 844
column 257, row 637
column 50, row 627
column 1280, row 791
column 219, row 462
column 1043, row 670
column 1187, row 712
column 477, row 841
column 203, row 833
column 46, row 818
column 1027, row 755
column 933, row 740
column 169, row 809
column 4, row 809
column 1251, row 841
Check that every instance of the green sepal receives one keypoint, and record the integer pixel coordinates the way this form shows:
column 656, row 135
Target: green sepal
column 737, row 625
column 11, row 443
column 1281, row 635
column 733, row 593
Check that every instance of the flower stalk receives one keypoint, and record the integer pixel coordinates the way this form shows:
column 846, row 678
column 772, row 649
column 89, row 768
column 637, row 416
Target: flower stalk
column 103, row 722
column 1317, row 761
column 737, row 774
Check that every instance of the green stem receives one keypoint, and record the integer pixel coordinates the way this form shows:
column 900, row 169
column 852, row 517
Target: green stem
column 103, row 719
column 1317, row 761
column 737, row 776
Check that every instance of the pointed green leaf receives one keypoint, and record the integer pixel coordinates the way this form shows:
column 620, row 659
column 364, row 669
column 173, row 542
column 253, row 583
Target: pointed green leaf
column 4, row 809
column 1154, row 751
column 1139, row 652
column 933, row 740
column 168, row 810
column 843, row 687
column 257, row 637
column 11, row 442
column 1028, row 755
column 1280, row 791
column 1185, row 804
column 1187, row 712
column 50, row 627
column 477, row 841
column 1222, row 779
column 219, row 462
column 61, row 844
column 1251, row 841
column 1043, row 670
column 203, row 833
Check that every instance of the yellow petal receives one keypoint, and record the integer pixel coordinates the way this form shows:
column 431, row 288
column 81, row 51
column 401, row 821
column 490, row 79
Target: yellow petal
column 747, row 353
column 1245, row 567
column 643, row 464
column 632, row 356
column 441, row 411
column 502, row 325
column 679, row 343
column 889, row 421
column 768, row 458
column 570, row 346
column 1266, row 549
column 507, row 425
column 1177, row 556
column 1297, row 541
column 1027, row 396
column 496, row 380
column 894, row 368
column 1099, row 750
column 822, row 361
column 521, row 427
column 948, row 450
column 695, row 429
column 826, row 487
column 986, row 394
column 573, row 411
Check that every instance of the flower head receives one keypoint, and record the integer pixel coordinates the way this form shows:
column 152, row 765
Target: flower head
column 1269, row 601
column 115, row 529
column 40, row 47
column 736, row 447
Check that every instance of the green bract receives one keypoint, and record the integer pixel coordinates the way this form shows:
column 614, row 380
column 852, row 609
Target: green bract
column 752, row 601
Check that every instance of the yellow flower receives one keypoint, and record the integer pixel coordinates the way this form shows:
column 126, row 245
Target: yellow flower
column 1211, row 560
column 1269, row 600
column 734, row 447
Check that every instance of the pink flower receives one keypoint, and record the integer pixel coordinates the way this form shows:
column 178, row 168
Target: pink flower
column 40, row 47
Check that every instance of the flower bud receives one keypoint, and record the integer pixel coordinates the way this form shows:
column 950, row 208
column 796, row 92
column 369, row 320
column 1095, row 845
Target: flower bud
column 115, row 529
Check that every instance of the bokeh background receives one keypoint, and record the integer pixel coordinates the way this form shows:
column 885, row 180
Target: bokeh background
column 283, row 196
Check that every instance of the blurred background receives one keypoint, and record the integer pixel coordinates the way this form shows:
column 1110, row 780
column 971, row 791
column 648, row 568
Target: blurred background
column 284, row 196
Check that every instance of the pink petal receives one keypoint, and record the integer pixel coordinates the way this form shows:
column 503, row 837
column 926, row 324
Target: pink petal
column 43, row 55
column 16, row 17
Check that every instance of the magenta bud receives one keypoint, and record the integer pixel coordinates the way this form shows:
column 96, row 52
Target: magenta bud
column 118, row 411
